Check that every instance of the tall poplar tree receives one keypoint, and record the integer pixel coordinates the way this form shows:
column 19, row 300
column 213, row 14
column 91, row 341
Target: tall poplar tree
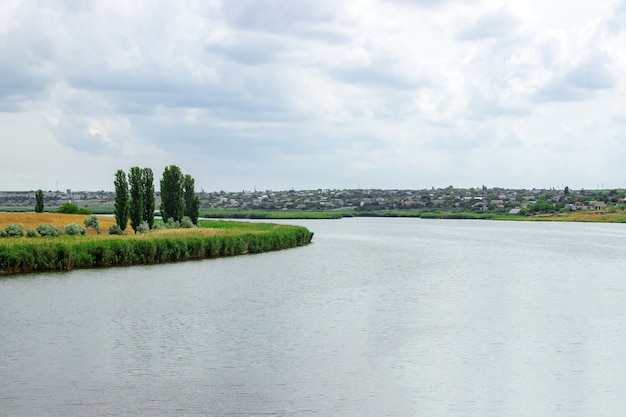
column 172, row 204
column 38, row 201
column 135, row 180
column 147, row 182
column 192, row 202
column 121, row 199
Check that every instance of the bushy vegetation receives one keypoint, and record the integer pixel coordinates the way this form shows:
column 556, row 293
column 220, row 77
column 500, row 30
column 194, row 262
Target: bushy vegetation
column 74, row 229
column 71, row 208
column 92, row 221
column 143, row 227
column 48, row 230
column 187, row 223
column 222, row 239
column 115, row 230
column 12, row 230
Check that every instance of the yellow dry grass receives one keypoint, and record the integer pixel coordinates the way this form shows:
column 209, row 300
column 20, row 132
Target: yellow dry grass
column 32, row 220
column 584, row 216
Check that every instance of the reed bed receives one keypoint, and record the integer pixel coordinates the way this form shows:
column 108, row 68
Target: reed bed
column 213, row 239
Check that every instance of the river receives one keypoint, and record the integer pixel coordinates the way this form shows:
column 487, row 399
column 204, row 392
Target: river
column 377, row 317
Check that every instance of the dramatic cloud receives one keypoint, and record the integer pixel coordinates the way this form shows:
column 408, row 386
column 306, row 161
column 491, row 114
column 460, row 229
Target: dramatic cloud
column 332, row 94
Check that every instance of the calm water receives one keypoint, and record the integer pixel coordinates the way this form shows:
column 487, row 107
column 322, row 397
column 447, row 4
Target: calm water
column 378, row 317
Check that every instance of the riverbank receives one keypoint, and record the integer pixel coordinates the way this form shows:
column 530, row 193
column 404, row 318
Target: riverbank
column 617, row 216
column 212, row 239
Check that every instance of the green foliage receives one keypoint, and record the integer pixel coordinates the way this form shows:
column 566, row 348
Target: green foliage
column 32, row 233
column 172, row 224
column 74, row 229
column 122, row 203
column 49, row 230
column 143, row 227
column 115, row 230
column 158, row 225
column 147, row 182
column 186, row 223
column 541, row 207
column 68, row 252
column 92, row 221
column 191, row 201
column 172, row 203
column 39, row 201
column 12, row 230
column 71, row 208
column 135, row 178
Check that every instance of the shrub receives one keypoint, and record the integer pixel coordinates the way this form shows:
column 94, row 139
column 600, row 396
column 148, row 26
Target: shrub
column 115, row 230
column 158, row 226
column 143, row 227
column 187, row 223
column 74, row 229
column 68, row 208
column 12, row 230
column 49, row 230
column 92, row 221
column 71, row 208
column 172, row 224
column 32, row 233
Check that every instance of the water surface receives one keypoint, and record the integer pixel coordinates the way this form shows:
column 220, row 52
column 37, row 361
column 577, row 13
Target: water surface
column 378, row 317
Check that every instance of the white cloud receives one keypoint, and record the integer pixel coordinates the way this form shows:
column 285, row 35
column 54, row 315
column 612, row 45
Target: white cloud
column 336, row 94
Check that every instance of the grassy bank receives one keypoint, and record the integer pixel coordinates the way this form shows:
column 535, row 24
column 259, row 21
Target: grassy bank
column 213, row 239
column 574, row 216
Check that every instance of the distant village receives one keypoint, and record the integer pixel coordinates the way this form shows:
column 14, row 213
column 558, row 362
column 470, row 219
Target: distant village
column 480, row 199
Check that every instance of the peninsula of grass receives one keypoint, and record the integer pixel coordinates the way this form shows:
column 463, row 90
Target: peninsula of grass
column 216, row 238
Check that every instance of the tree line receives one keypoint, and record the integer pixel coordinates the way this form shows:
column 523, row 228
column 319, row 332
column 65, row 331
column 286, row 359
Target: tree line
column 134, row 198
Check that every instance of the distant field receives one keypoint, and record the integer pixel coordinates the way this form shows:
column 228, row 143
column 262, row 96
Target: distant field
column 579, row 216
column 31, row 220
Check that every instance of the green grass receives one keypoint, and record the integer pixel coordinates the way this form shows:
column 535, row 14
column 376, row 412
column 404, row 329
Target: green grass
column 212, row 239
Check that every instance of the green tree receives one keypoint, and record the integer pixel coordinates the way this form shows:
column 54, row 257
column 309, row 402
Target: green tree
column 38, row 201
column 135, row 181
column 92, row 221
column 71, row 208
column 192, row 202
column 147, row 182
column 121, row 199
column 172, row 203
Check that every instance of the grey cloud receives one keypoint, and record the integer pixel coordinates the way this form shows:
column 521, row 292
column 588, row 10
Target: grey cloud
column 617, row 22
column 305, row 18
column 592, row 75
column 265, row 141
column 25, row 68
column 559, row 90
column 373, row 76
column 495, row 24
column 429, row 3
column 249, row 50
column 75, row 133
column 579, row 82
column 419, row 3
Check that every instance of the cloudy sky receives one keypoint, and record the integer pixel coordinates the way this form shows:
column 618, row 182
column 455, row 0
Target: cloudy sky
column 307, row 94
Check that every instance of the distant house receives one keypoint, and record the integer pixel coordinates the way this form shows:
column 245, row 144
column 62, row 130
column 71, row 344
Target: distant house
column 597, row 205
column 515, row 211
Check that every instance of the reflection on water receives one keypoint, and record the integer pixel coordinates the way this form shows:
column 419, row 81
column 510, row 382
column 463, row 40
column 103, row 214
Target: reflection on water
column 396, row 317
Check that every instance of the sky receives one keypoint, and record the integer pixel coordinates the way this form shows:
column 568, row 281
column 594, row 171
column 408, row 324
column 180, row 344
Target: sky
column 309, row 94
